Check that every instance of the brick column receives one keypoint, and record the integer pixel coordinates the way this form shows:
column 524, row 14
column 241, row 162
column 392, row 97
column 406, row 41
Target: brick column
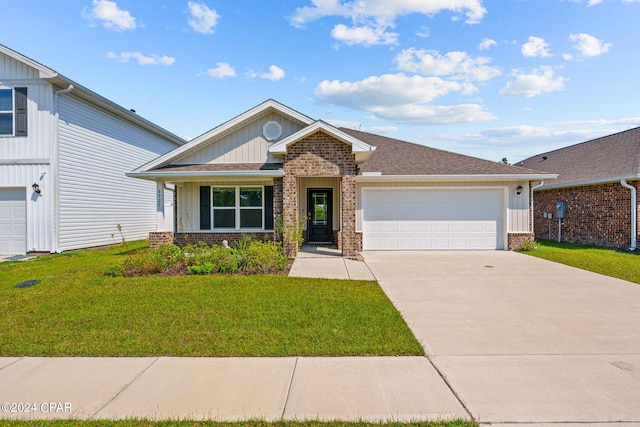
column 290, row 213
column 348, row 226
column 277, row 204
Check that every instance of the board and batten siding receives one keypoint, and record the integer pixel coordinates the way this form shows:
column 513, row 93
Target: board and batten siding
column 96, row 149
column 244, row 145
column 517, row 210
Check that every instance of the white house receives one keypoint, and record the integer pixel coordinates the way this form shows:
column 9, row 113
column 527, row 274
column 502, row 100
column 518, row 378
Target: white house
column 64, row 152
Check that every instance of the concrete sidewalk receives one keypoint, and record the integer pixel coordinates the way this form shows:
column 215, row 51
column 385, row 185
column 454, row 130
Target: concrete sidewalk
column 327, row 263
column 289, row 388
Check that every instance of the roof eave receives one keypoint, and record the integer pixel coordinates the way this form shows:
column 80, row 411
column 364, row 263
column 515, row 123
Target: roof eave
column 456, row 178
column 169, row 176
column 587, row 182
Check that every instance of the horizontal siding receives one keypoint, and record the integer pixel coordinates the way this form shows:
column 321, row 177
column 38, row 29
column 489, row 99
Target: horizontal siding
column 39, row 140
column 517, row 215
column 96, row 149
column 39, row 208
column 246, row 145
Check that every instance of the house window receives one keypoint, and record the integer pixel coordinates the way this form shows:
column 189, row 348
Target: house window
column 6, row 112
column 13, row 112
column 238, row 208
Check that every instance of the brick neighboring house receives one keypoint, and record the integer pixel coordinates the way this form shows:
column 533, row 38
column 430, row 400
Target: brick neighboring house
column 597, row 180
column 355, row 190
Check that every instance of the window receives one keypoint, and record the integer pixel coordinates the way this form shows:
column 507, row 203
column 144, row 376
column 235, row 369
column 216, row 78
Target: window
column 238, row 208
column 13, row 112
column 6, row 112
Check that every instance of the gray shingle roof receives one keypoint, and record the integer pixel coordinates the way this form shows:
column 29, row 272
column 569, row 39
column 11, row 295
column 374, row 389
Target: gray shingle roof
column 609, row 157
column 396, row 157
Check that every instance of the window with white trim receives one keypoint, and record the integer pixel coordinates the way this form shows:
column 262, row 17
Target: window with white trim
column 238, row 208
column 6, row 112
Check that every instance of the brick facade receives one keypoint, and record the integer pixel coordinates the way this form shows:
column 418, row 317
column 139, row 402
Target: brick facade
column 159, row 238
column 320, row 154
column 598, row 215
column 515, row 240
column 182, row 239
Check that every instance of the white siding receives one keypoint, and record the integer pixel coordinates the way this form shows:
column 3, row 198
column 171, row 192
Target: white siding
column 245, row 145
column 10, row 69
column 517, row 210
column 39, row 208
column 96, row 149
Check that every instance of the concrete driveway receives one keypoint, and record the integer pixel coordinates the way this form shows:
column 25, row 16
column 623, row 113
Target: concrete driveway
column 520, row 339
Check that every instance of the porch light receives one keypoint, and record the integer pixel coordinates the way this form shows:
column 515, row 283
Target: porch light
column 519, row 190
column 36, row 188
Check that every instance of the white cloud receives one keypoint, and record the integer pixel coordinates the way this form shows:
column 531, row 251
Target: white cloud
column 111, row 16
column 588, row 45
column 435, row 115
column 457, row 65
column 381, row 130
column 487, row 44
column 365, row 35
column 275, row 73
column 203, row 20
column 384, row 91
column 222, row 70
column 535, row 47
column 142, row 59
column 540, row 80
column 423, row 32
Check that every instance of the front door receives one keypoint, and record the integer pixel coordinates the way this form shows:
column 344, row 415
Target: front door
column 319, row 215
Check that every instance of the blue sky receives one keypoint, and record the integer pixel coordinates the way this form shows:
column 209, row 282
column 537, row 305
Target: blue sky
column 488, row 78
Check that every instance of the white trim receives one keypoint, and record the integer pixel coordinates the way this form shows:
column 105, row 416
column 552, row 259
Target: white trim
column 168, row 176
column 25, row 162
column 453, row 178
column 237, row 210
column 357, row 146
column 607, row 180
column 267, row 105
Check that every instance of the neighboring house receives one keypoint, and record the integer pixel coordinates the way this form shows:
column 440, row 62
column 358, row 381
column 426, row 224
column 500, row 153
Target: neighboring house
column 64, row 151
column 598, row 181
column 356, row 190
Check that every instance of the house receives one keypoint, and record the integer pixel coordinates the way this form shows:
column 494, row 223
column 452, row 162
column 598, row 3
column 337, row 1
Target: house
column 64, row 151
column 597, row 182
column 355, row 190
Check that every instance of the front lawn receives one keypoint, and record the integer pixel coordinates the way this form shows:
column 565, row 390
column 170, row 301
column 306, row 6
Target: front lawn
column 76, row 311
column 623, row 265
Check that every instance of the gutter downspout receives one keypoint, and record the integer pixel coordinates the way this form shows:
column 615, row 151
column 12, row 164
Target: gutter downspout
column 55, row 229
column 634, row 214
column 533, row 220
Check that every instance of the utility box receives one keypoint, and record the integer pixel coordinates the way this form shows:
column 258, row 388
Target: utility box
column 561, row 210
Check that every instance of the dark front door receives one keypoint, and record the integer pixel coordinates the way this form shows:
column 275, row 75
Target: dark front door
column 319, row 215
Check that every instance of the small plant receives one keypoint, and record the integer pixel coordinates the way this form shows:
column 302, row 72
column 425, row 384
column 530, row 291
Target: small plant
column 203, row 269
column 167, row 255
column 114, row 271
column 124, row 242
column 527, row 245
column 263, row 257
column 291, row 234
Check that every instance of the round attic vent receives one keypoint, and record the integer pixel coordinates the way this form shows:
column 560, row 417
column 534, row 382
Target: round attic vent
column 272, row 130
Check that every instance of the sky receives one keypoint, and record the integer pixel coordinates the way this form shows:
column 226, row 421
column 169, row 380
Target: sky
column 488, row 78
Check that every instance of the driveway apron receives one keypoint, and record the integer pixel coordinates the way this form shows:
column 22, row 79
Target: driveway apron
column 520, row 339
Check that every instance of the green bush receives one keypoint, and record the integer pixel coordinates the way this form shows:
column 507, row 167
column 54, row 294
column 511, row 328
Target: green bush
column 114, row 271
column 527, row 245
column 263, row 257
column 167, row 255
column 206, row 268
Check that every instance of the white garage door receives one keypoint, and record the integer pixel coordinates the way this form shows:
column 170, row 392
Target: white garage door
column 13, row 221
column 432, row 219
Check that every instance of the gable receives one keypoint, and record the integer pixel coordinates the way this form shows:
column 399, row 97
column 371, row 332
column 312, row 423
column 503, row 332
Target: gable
column 246, row 144
column 13, row 69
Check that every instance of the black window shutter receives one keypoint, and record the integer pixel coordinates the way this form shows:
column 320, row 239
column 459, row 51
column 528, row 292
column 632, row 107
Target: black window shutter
column 268, row 208
column 205, row 208
column 21, row 111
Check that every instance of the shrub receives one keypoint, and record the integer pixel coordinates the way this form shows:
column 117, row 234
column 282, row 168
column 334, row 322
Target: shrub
column 167, row 255
column 206, row 268
column 527, row 245
column 114, row 271
column 266, row 256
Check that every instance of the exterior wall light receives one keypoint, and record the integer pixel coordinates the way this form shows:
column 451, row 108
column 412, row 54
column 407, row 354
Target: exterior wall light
column 519, row 190
column 36, row 188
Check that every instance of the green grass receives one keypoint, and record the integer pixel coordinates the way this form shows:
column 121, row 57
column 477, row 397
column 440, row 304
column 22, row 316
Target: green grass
column 146, row 423
column 75, row 311
column 622, row 265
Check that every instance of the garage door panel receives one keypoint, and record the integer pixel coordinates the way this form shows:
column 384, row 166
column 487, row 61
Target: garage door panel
column 432, row 219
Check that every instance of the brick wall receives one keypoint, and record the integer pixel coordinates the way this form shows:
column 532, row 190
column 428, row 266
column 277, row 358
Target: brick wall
column 159, row 238
column 598, row 215
column 320, row 154
column 182, row 239
column 515, row 240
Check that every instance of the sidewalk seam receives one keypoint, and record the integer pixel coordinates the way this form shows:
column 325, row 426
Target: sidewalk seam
column 286, row 398
column 344, row 262
column 451, row 388
column 13, row 363
column 126, row 386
